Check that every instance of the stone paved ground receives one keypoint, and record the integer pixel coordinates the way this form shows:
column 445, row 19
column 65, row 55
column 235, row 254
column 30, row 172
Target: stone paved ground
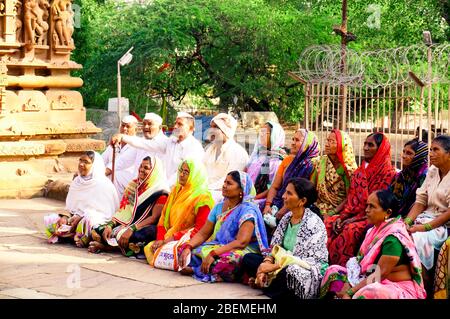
column 31, row 268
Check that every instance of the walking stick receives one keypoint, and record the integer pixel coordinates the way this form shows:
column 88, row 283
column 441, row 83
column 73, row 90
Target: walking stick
column 113, row 161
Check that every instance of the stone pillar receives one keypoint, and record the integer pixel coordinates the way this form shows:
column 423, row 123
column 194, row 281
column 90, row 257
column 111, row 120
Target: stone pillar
column 43, row 127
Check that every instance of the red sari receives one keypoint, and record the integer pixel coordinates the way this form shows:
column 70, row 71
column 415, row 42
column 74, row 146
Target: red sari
column 365, row 180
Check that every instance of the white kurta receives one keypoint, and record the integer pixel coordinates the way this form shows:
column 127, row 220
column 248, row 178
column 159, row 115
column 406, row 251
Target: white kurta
column 219, row 160
column 142, row 153
column 174, row 152
column 124, row 169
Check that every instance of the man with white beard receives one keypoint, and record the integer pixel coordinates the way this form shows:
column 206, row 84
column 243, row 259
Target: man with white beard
column 223, row 154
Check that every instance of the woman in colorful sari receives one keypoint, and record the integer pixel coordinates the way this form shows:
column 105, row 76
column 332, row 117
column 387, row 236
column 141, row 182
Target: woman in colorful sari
column 304, row 148
column 429, row 218
column 188, row 206
column 267, row 156
column 292, row 267
column 91, row 201
column 333, row 171
column 387, row 265
column 346, row 230
column 406, row 182
column 234, row 228
column 134, row 224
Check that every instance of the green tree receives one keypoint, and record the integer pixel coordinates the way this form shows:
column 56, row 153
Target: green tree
column 235, row 50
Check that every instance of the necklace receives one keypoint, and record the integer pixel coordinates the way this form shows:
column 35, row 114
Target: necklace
column 230, row 208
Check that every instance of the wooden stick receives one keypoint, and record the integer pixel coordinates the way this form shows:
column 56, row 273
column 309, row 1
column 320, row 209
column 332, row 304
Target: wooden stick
column 113, row 161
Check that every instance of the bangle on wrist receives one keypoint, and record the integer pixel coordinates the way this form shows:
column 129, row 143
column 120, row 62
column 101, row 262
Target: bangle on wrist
column 349, row 292
column 408, row 221
column 133, row 228
column 428, row 227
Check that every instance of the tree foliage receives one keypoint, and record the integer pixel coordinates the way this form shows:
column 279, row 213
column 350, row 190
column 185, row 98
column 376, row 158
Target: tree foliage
column 237, row 51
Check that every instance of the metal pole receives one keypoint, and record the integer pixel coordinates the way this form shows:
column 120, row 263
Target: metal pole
column 119, row 93
column 430, row 75
column 343, row 89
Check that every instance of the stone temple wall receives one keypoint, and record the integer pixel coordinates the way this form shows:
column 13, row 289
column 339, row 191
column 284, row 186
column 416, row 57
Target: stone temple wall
column 43, row 127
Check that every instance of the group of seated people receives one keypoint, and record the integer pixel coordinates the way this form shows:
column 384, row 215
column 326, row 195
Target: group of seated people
column 292, row 223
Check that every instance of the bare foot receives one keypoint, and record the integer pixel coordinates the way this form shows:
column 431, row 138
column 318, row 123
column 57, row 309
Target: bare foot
column 252, row 282
column 187, row 271
column 78, row 242
column 95, row 247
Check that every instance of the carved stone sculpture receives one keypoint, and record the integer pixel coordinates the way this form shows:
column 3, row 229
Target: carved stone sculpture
column 41, row 30
column 62, row 18
column 30, row 21
column 2, row 17
column 18, row 10
column 42, row 119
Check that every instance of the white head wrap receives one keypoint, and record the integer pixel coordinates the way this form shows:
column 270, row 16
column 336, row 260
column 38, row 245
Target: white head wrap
column 129, row 119
column 184, row 115
column 226, row 123
column 153, row 117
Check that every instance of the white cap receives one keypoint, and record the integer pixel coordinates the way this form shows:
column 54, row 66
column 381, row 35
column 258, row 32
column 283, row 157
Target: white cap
column 129, row 119
column 184, row 115
column 153, row 117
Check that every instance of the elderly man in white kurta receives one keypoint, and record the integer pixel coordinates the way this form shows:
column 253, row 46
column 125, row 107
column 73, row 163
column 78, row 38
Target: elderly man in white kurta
column 223, row 154
column 124, row 168
column 181, row 145
column 152, row 129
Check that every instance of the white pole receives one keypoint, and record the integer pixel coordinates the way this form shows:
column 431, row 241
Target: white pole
column 119, row 93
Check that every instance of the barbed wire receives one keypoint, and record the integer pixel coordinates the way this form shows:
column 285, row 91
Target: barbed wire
column 323, row 64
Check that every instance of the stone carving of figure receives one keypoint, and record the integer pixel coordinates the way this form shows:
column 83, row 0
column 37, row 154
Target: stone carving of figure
column 62, row 19
column 18, row 10
column 41, row 12
column 30, row 21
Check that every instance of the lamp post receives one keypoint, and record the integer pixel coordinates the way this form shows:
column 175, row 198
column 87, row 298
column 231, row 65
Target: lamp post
column 124, row 60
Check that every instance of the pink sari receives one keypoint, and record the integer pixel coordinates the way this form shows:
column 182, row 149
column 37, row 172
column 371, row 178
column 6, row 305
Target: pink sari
column 336, row 276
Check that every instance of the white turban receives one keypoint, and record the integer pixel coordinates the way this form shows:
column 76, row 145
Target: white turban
column 129, row 119
column 184, row 115
column 226, row 123
column 153, row 117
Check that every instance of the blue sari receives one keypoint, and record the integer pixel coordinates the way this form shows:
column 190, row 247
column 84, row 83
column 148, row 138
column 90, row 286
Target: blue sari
column 226, row 229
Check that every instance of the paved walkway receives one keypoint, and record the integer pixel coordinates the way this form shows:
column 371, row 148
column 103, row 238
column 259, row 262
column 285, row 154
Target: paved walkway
column 31, row 268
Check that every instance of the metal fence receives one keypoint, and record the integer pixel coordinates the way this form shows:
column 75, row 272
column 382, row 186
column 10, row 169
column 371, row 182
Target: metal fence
column 397, row 91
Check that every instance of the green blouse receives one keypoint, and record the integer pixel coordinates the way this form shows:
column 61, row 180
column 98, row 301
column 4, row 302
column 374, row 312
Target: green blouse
column 392, row 247
column 290, row 237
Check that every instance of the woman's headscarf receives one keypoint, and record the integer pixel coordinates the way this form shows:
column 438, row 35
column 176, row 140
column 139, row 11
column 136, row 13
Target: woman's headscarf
column 302, row 165
column 181, row 207
column 93, row 193
column 345, row 154
column 139, row 193
column 264, row 162
column 410, row 178
column 376, row 176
